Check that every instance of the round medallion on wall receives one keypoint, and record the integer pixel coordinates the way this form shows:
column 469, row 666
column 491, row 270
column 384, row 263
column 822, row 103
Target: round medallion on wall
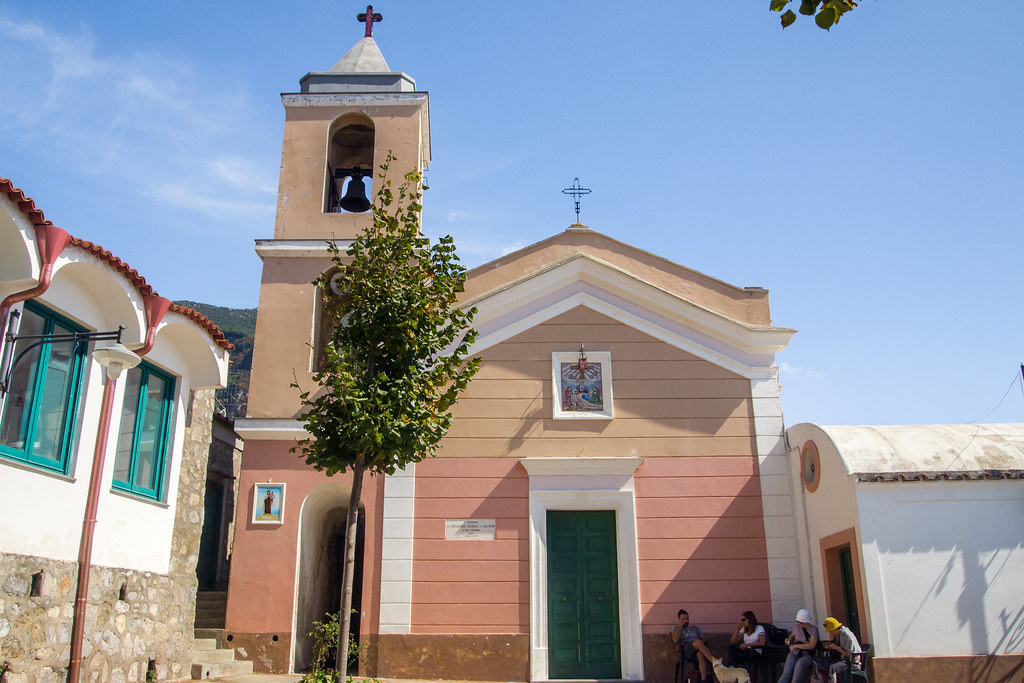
column 810, row 466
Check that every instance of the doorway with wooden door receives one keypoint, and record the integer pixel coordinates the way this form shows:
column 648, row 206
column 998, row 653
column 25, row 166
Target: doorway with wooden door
column 583, row 595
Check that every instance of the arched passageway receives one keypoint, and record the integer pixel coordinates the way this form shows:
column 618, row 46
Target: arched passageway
column 321, row 557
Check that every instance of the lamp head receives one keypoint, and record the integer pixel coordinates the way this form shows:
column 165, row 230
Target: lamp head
column 116, row 359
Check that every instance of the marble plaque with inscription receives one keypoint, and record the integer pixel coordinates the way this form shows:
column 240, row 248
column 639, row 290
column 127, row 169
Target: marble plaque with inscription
column 469, row 529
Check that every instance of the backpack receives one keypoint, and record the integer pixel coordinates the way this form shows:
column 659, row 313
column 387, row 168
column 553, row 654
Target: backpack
column 774, row 635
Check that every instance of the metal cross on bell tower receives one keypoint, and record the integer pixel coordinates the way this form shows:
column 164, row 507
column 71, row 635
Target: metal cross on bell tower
column 369, row 18
column 576, row 191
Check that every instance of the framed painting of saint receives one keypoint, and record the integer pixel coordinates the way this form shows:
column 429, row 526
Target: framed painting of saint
column 582, row 385
column 268, row 504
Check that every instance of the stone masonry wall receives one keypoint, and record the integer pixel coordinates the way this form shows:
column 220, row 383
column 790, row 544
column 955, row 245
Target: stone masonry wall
column 136, row 622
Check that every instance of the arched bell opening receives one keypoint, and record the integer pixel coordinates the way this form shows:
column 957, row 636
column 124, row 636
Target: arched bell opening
column 321, row 558
column 350, row 164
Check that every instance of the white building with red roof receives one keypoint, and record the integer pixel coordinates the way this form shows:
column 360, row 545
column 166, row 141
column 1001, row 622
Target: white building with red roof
column 105, row 420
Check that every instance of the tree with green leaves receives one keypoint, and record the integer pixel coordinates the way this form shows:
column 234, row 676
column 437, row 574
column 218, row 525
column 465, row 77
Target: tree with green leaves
column 395, row 359
column 826, row 13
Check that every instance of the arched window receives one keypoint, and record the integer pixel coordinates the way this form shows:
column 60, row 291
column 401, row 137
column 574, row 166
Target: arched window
column 40, row 409
column 322, row 328
column 350, row 164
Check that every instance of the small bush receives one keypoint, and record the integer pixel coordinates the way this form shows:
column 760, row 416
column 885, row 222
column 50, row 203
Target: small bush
column 325, row 644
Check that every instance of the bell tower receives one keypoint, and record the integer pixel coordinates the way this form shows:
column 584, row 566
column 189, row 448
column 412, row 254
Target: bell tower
column 339, row 128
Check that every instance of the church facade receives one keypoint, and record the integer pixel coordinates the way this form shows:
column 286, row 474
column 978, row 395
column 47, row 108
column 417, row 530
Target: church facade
column 574, row 506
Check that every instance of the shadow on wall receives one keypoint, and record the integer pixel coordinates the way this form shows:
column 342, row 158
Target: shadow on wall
column 702, row 542
column 982, row 568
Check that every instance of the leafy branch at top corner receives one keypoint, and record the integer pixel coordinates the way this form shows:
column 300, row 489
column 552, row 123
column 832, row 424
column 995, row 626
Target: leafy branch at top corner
column 826, row 13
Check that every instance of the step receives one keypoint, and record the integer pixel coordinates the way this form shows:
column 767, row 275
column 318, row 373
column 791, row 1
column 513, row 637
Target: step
column 204, row 644
column 212, row 656
column 211, row 604
column 215, row 633
column 203, row 671
column 209, row 612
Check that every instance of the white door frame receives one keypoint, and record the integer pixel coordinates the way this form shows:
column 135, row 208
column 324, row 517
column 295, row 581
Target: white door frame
column 585, row 484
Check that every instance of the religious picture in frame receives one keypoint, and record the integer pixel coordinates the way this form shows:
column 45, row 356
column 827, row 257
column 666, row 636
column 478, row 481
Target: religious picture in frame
column 268, row 504
column 582, row 385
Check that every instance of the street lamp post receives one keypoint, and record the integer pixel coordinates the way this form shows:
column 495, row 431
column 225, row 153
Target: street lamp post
column 115, row 359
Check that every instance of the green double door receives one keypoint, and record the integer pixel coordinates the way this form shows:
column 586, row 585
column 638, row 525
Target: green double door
column 583, row 595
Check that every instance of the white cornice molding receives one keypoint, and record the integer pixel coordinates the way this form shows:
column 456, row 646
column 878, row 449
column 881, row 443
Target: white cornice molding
column 582, row 280
column 576, row 467
column 270, row 429
column 354, row 99
column 298, row 248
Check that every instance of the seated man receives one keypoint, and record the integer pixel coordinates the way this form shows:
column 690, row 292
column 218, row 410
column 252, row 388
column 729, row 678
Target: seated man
column 845, row 643
column 691, row 643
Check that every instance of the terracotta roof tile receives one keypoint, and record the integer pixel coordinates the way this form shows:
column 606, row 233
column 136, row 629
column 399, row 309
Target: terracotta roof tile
column 28, row 207
column 26, row 204
column 204, row 322
column 115, row 263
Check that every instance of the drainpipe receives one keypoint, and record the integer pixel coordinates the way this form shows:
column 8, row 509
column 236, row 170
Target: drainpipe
column 51, row 241
column 156, row 308
column 115, row 360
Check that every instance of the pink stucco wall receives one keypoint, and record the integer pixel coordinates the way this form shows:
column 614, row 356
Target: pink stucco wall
column 700, row 538
column 700, row 532
column 462, row 586
column 262, row 591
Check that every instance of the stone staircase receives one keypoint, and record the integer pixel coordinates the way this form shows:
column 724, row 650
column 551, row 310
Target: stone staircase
column 209, row 660
column 211, row 609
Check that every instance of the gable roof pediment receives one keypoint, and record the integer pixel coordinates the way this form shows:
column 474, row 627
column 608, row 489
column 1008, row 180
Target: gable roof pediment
column 676, row 305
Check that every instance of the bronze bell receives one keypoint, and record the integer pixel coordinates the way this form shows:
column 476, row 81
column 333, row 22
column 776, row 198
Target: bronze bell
column 355, row 200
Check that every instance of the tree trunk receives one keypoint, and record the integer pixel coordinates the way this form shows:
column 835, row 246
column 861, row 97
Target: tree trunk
column 348, row 570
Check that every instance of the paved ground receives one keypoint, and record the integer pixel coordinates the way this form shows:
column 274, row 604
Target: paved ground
column 260, row 678
column 293, row 678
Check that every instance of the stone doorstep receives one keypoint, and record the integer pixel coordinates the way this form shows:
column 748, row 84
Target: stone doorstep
column 203, row 644
column 215, row 633
column 212, row 656
column 210, row 661
column 221, row 670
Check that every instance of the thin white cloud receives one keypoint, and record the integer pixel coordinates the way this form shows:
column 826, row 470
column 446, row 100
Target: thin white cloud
column 514, row 246
column 145, row 121
column 470, row 171
column 786, row 368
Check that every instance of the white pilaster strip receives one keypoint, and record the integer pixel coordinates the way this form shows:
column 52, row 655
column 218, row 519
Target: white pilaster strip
column 396, row 551
column 776, row 499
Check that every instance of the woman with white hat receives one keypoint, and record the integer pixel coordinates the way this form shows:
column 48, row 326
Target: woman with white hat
column 802, row 641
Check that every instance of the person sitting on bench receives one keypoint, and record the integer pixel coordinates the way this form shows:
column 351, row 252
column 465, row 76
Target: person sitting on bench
column 845, row 644
column 747, row 643
column 691, row 643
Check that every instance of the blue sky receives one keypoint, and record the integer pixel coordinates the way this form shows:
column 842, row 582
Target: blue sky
column 870, row 178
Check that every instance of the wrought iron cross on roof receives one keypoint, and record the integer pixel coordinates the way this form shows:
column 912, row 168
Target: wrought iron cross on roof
column 576, row 191
column 368, row 18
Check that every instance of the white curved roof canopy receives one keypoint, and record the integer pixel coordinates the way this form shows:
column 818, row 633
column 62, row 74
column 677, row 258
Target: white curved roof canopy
column 904, row 452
